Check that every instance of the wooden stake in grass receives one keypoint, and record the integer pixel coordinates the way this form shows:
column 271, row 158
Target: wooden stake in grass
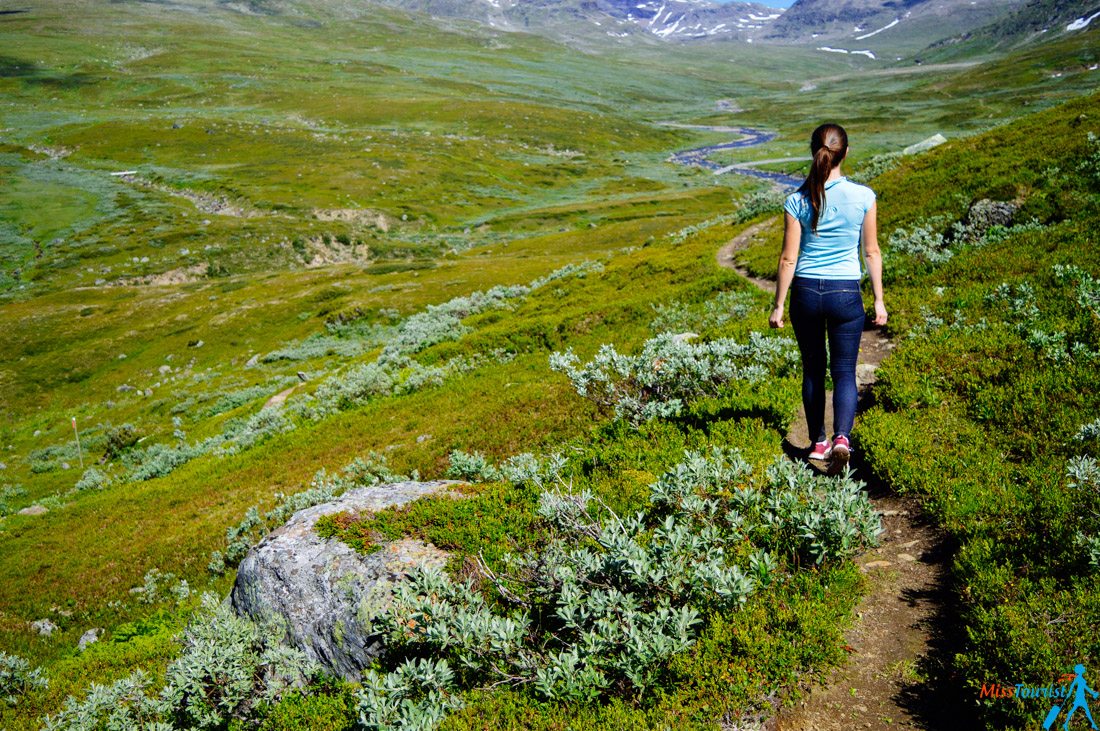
column 79, row 454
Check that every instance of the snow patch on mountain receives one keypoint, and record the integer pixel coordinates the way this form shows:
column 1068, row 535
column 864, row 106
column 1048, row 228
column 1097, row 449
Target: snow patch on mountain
column 889, row 25
column 1082, row 22
column 830, row 49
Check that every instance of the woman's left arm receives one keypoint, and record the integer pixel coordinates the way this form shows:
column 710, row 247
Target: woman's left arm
column 788, row 257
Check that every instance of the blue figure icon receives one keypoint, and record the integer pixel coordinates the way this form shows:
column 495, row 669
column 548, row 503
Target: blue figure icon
column 1077, row 689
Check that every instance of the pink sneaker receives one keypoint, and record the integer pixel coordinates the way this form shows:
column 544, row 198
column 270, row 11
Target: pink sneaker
column 842, row 451
column 821, row 450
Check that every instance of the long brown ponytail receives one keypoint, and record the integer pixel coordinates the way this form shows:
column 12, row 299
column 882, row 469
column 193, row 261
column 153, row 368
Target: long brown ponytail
column 829, row 145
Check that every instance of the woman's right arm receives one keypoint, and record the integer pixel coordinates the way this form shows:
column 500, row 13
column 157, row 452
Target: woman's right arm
column 872, row 254
column 788, row 258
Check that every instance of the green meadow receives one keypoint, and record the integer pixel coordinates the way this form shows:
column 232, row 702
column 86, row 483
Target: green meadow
column 201, row 208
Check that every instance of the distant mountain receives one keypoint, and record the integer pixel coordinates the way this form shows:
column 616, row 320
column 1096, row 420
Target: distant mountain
column 665, row 19
column 862, row 20
column 1033, row 20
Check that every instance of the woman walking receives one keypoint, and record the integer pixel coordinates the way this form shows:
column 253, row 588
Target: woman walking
column 828, row 220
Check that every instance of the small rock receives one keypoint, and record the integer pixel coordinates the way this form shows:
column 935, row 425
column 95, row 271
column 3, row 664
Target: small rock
column 684, row 337
column 423, row 438
column 877, row 565
column 44, row 627
column 34, row 510
column 124, row 388
column 148, row 392
column 906, row 557
column 252, row 361
column 37, row 432
column 866, row 374
column 302, row 377
column 195, row 344
column 122, row 356
column 910, row 544
column 3, row 466
column 925, row 144
column 165, row 369
column 89, row 637
column 64, row 465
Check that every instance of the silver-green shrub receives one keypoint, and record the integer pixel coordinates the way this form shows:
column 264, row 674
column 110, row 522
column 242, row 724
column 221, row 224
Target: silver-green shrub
column 921, row 242
column 17, row 677
column 876, row 166
column 124, row 705
column 93, row 479
column 519, row 469
column 1089, row 432
column 157, row 586
column 757, row 203
column 1089, row 166
column 669, row 372
column 471, row 466
column 608, row 599
column 1083, row 475
column 715, row 312
column 443, row 322
column 228, row 666
column 7, row 494
column 414, row 697
column 241, row 434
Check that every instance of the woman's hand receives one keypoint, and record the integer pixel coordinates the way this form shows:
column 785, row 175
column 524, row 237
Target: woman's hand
column 880, row 313
column 776, row 319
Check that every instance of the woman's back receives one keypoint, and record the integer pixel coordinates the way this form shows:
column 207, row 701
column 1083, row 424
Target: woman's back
column 831, row 252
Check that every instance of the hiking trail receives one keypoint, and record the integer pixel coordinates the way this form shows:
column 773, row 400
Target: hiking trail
column 893, row 642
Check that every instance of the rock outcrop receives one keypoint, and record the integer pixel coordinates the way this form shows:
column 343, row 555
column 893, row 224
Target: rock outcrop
column 326, row 592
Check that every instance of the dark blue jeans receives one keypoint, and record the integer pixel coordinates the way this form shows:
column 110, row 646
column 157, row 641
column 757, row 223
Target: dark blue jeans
column 832, row 309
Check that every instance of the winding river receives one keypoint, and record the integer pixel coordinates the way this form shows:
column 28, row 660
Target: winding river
column 698, row 156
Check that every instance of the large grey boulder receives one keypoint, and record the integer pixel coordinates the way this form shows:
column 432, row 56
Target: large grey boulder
column 326, row 592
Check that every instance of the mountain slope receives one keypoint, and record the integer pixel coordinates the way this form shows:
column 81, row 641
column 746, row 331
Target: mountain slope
column 573, row 19
column 883, row 25
column 1036, row 20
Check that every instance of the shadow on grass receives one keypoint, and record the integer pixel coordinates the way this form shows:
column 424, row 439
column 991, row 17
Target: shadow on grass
column 936, row 697
column 31, row 73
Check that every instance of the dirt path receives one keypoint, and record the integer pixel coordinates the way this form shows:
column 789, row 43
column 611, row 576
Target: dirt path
column 891, row 642
column 279, row 398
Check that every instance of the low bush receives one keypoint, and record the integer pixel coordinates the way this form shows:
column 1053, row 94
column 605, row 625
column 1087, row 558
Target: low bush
column 605, row 601
column 17, row 677
column 229, row 669
column 669, row 372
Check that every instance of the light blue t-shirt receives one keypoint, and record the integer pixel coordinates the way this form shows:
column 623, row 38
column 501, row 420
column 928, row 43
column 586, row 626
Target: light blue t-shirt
column 833, row 251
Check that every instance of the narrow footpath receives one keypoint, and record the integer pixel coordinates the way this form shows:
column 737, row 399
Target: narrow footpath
column 893, row 641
